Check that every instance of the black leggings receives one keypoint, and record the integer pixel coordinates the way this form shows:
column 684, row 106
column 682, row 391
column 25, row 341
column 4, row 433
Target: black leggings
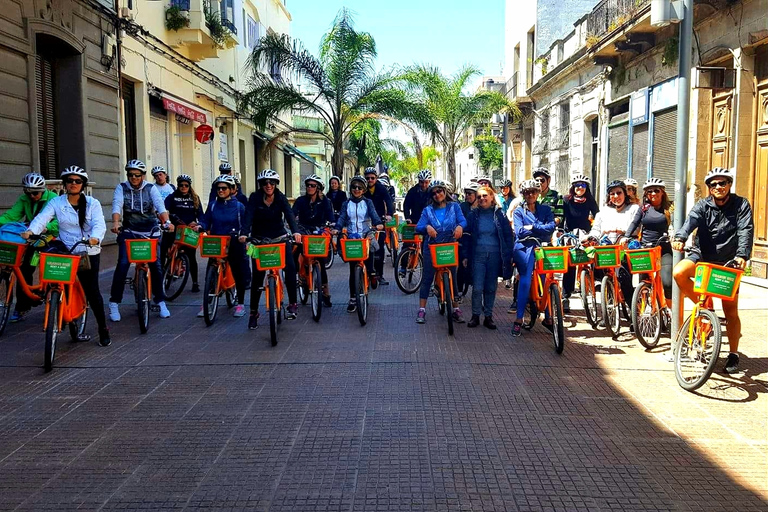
column 352, row 267
column 89, row 280
column 290, row 280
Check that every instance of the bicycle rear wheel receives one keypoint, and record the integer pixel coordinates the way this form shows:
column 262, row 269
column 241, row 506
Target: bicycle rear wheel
column 6, row 296
column 175, row 275
column 361, row 296
column 589, row 298
column 409, row 271
column 448, row 302
column 696, row 355
column 556, row 306
column 530, row 316
column 142, row 300
column 210, row 295
column 316, row 292
column 272, row 308
column 646, row 315
column 52, row 329
column 610, row 306
column 330, row 258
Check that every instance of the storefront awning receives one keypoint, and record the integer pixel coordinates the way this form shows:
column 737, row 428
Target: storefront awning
column 183, row 108
column 292, row 151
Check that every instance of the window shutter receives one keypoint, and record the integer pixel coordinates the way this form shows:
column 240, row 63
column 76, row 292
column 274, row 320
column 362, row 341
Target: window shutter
column 159, row 141
column 618, row 136
column 46, row 120
column 664, row 133
column 640, row 153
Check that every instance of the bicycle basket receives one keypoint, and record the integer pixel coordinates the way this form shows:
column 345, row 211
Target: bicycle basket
column 408, row 232
column 393, row 223
column 551, row 260
column 269, row 257
column 58, row 268
column 12, row 254
column 315, row 246
column 445, row 255
column 716, row 280
column 644, row 260
column 214, row 246
column 142, row 250
column 354, row 249
column 608, row 256
column 578, row 256
column 187, row 236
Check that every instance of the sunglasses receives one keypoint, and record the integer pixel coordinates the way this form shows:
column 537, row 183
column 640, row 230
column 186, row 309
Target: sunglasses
column 483, row 196
column 580, row 185
column 135, row 175
column 529, row 192
column 269, row 182
column 653, row 191
column 222, row 188
column 371, row 178
column 311, row 185
column 356, row 187
column 616, row 193
column 184, row 185
column 438, row 191
column 75, row 182
column 716, row 184
column 33, row 192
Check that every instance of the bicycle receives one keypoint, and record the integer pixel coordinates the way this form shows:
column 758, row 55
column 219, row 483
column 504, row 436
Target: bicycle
column 358, row 250
column 697, row 346
column 445, row 257
column 649, row 309
column 545, row 290
column 142, row 250
column 392, row 239
column 269, row 254
column 176, row 271
column 580, row 257
column 331, row 253
column 219, row 279
column 314, row 247
column 608, row 258
column 410, row 264
column 11, row 259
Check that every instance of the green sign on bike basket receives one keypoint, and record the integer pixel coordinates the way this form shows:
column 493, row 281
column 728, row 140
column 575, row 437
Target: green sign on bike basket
column 269, row 257
column 188, row 236
column 392, row 223
column 408, row 232
column 58, row 269
column 445, row 255
column 552, row 259
column 607, row 257
column 212, row 246
column 9, row 253
column 640, row 261
column 316, row 246
column 579, row 256
column 353, row 249
column 715, row 281
column 140, row 250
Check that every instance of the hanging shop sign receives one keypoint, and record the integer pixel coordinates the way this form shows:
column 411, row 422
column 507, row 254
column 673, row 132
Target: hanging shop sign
column 204, row 133
column 184, row 109
column 639, row 106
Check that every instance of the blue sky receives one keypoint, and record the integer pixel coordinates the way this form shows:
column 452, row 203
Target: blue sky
column 445, row 33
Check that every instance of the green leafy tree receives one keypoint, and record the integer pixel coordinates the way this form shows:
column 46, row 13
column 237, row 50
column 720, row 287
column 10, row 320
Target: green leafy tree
column 341, row 86
column 491, row 154
column 404, row 165
column 366, row 144
column 452, row 111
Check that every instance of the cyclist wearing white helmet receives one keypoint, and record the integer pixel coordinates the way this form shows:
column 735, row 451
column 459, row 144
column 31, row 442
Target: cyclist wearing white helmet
column 139, row 204
column 724, row 231
column 631, row 185
column 385, row 208
column 507, row 195
column 551, row 198
column 184, row 209
column 387, row 182
column 417, row 197
column 337, row 196
column 161, row 181
column 267, row 213
column 24, row 210
column 579, row 208
column 79, row 216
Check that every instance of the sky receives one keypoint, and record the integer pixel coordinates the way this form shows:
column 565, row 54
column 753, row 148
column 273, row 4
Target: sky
column 444, row 33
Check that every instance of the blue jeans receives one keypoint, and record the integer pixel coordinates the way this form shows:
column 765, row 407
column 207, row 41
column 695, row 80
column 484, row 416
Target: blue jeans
column 429, row 275
column 524, row 259
column 486, row 267
column 121, row 271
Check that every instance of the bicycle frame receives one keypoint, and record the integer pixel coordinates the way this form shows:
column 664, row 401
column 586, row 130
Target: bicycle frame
column 278, row 289
column 72, row 305
column 226, row 280
column 438, row 283
column 539, row 293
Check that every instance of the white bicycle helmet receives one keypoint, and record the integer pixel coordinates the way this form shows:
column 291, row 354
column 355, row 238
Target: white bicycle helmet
column 226, row 178
column 384, row 180
column 719, row 172
column 225, row 168
column 655, row 182
column 184, row 177
column 440, row 184
column 630, row 182
column 576, row 178
column 506, row 183
column 483, row 178
column 424, row 175
column 541, row 171
column 33, row 181
column 76, row 171
column 359, row 178
column 137, row 165
column 471, row 187
column 370, row 170
column 158, row 169
column 314, row 177
column 268, row 174
column 530, row 185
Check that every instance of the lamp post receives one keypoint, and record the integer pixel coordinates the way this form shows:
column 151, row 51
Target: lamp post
column 664, row 12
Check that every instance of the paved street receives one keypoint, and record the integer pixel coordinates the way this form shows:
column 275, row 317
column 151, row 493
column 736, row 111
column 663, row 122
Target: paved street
column 393, row 416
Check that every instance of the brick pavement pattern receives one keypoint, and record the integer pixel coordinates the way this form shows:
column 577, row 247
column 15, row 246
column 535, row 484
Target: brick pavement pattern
column 393, row 416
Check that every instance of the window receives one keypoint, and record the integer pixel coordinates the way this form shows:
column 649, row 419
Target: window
column 228, row 15
column 255, row 32
column 46, row 115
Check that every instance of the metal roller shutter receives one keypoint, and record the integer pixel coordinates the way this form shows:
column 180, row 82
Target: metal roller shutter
column 640, row 153
column 158, row 131
column 663, row 158
column 46, row 116
column 618, row 138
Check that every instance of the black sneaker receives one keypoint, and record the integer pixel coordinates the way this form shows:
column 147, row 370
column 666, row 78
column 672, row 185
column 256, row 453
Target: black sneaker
column 195, row 288
column 253, row 321
column 732, row 363
column 352, row 306
column 474, row 321
column 488, row 322
column 292, row 311
column 327, row 301
column 566, row 306
column 104, row 338
column 383, row 282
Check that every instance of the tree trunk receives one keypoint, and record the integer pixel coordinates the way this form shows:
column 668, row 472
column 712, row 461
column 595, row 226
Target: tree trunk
column 337, row 160
column 451, row 165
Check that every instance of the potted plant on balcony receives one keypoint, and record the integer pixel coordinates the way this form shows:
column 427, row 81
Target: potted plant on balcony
column 175, row 18
column 217, row 30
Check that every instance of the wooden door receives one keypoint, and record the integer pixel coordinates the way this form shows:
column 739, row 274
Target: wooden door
column 760, row 190
column 721, row 131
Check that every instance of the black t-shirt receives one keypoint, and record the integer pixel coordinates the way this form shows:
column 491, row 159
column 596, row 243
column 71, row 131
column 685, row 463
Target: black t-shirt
column 577, row 214
column 653, row 222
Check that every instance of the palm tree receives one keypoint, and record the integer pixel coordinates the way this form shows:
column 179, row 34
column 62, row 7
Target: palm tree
column 341, row 86
column 451, row 110
column 366, row 143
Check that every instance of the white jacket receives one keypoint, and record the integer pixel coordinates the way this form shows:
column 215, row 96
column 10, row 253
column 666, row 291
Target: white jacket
column 69, row 225
column 608, row 220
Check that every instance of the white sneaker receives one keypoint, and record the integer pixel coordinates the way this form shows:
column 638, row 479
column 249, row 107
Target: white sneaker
column 164, row 313
column 201, row 313
column 114, row 311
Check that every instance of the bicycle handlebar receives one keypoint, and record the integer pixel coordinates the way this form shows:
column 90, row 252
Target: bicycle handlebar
column 268, row 241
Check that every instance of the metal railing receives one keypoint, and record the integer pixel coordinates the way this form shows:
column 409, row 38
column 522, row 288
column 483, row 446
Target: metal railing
column 608, row 15
column 181, row 4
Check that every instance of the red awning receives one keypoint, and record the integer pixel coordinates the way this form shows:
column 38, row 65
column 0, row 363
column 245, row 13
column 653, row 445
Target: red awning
column 184, row 109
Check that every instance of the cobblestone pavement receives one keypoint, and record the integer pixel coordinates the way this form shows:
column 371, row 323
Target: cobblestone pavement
column 393, row 416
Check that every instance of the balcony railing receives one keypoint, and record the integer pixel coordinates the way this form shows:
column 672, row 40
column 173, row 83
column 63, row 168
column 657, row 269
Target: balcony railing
column 608, row 15
column 510, row 87
column 181, row 4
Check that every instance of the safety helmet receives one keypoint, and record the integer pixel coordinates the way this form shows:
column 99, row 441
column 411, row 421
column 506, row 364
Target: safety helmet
column 76, row 171
column 576, row 178
column 359, row 178
column 654, row 182
column 483, row 178
column 33, row 181
column 530, row 185
column 268, row 174
column 424, row 175
column 384, row 180
column 334, row 178
column 541, row 171
column 370, row 170
column 614, row 184
column 440, row 184
column 226, row 178
column 225, row 168
column 158, row 169
column 136, row 165
column 184, row 177
column 314, row 177
column 471, row 187
column 719, row 172
column 630, row 182
column 506, row 183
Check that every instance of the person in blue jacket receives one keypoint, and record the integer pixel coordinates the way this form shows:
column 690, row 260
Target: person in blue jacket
column 531, row 220
column 442, row 222
column 226, row 216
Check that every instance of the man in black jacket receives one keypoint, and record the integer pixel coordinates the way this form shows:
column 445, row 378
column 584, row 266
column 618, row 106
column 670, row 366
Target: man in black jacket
column 385, row 208
column 725, row 232
column 417, row 197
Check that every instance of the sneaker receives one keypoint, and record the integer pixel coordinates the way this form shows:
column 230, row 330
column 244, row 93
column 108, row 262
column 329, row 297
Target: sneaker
column 383, row 282
column 488, row 322
column 732, row 363
column 421, row 316
column 195, row 288
column 401, row 272
column 327, row 301
column 293, row 309
column 17, row 317
column 239, row 311
column 566, row 306
column 114, row 311
column 507, row 284
column 104, row 339
column 517, row 329
column 458, row 317
column 512, row 308
column 352, row 306
column 164, row 313
column 474, row 321
column 201, row 313
column 253, row 320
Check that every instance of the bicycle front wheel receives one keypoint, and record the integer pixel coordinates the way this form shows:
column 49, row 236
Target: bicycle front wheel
column 211, row 295
column 6, row 296
column 646, row 315
column 556, row 308
column 272, row 308
column 315, row 294
column 448, row 301
column 175, row 275
column 52, row 329
column 330, row 258
column 409, row 271
column 361, row 296
column 78, row 325
column 142, row 300
column 610, row 306
column 589, row 298
column 697, row 349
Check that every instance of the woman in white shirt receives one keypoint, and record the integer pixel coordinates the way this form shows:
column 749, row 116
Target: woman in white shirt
column 80, row 217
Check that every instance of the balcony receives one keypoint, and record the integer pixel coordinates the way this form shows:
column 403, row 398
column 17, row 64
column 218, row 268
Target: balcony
column 609, row 15
column 510, row 87
column 196, row 37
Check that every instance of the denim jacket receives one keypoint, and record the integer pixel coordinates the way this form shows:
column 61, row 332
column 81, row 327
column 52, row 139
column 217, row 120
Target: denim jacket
column 504, row 231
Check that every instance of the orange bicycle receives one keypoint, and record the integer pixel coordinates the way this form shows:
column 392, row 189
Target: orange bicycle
column 545, row 290
column 409, row 269
column 649, row 310
column 581, row 257
column 142, row 250
column 392, row 239
column 269, row 254
column 445, row 257
column 608, row 259
column 11, row 258
column 358, row 250
column 218, row 276
column 314, row 247
column 176, row 271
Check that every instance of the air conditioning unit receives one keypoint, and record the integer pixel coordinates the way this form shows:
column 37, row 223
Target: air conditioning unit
column 126, row 13
column 714, row 78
